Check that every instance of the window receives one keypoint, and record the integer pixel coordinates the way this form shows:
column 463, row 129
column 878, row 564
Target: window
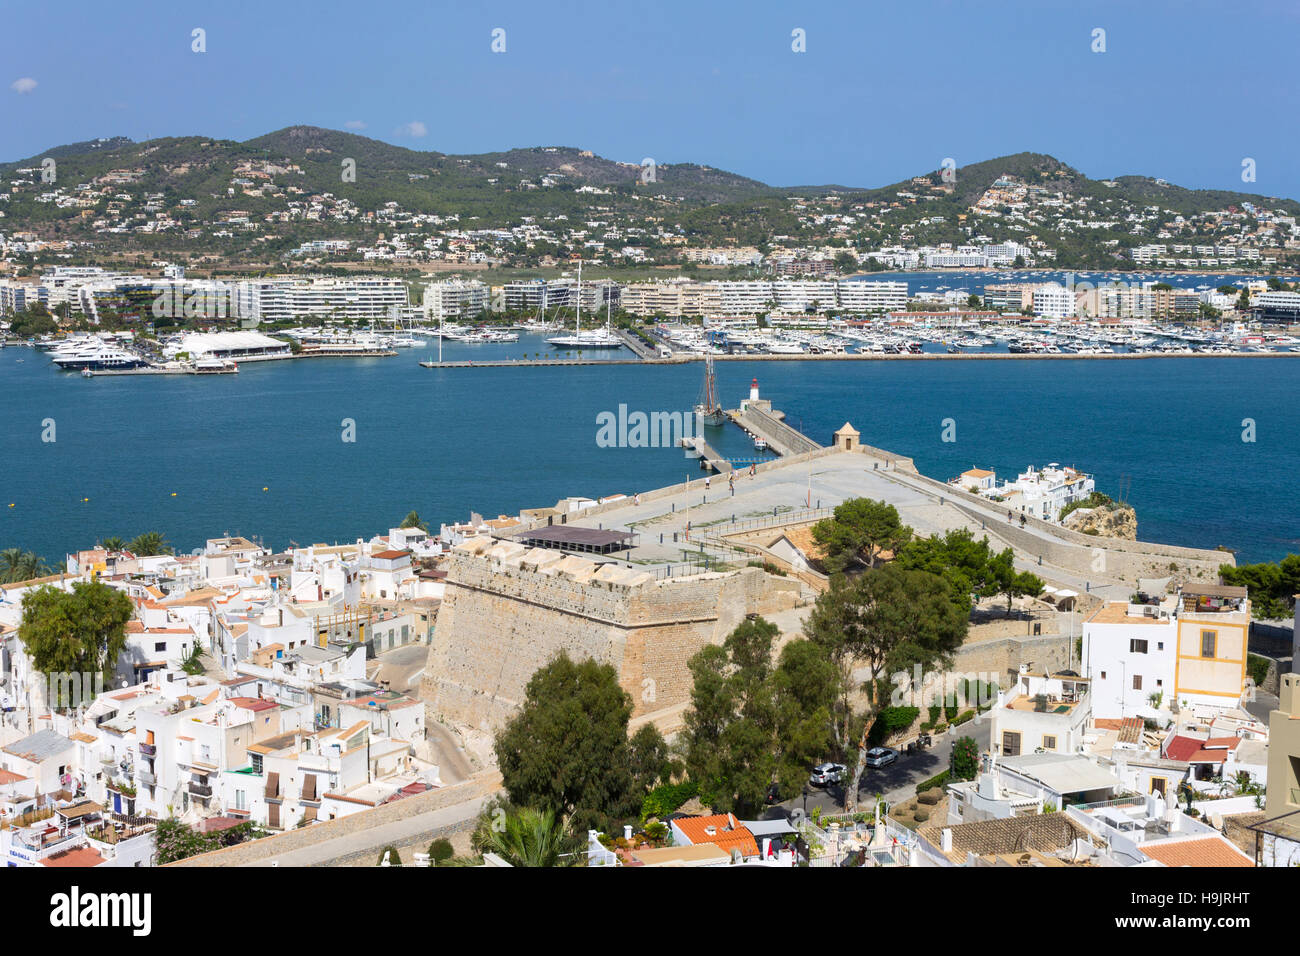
column 1137, row 681
column 1158, row 785
column 1160, row 645
column 256, row 760
column 1159, row 682
column 1136, row 646
column 1049, row 742
column 1208, row 640
column 160, row 646
column 1103, row 675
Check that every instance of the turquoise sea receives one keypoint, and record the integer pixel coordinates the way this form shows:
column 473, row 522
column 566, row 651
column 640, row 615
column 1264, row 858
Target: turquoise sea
column 261, row 452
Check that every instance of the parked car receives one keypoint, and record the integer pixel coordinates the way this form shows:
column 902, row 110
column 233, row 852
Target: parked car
column 825, row 774
column 881, row 756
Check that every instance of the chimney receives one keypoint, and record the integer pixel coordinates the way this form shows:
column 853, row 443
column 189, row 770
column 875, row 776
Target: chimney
column 1288, row 695
column 945, row 840
column 627, row 831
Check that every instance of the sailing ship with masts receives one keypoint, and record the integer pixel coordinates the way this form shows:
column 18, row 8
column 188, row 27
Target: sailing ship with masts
column 591, row 338
column 709, row 410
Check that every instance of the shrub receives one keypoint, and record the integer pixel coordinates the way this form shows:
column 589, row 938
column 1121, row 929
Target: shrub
column 930, row 797
column 936, row 781
column 390, row 851
column 890, row 721
column 921, row 815
column 1257, row 668
column 666, row 798
column 440, row 850
column 935, row 711
column 965, row 761
column 958, row 721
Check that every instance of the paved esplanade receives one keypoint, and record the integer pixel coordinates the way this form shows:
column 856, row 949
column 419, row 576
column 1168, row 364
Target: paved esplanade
column 793, row 486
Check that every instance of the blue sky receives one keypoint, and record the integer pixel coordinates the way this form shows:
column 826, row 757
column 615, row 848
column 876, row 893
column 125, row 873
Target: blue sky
column 1184, row 91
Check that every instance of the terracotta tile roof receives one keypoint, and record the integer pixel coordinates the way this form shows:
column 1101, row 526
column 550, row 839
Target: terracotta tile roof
column 1199, row 750
column 8, row 776
column 1210, row 851
column 253, row 703
column 728, row 833
column 390, row 555
column 82, row 856
column 1130, row 730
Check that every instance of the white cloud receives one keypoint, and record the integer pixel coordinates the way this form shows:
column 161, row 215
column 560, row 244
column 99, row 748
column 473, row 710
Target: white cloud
column 355, row 124
column 413, row 128
column 24, row 84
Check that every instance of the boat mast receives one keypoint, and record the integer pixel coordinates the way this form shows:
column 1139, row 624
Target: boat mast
column 577, row 316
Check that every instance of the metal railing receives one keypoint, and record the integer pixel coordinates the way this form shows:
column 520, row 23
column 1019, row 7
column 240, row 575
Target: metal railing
column 779, row 519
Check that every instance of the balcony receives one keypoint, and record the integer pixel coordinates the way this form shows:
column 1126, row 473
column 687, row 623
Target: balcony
column 201, row 790
column 147, row 779
column 148, row 750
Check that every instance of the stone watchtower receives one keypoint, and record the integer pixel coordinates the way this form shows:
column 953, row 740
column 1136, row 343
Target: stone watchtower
column 847, row 438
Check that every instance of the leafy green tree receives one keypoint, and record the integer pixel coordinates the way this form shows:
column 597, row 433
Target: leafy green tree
column 649, row 759
column 970, row 566
column 732, row 720
column 82, row 630
column 891, row 619
column 964, row 762
column 828, row 626
column 807, row 688
column 752, row 724
column 149, row 543
column 412, row 520
column 19, row 565
column 860, row 531
column 567, row 749
column 1270, row 585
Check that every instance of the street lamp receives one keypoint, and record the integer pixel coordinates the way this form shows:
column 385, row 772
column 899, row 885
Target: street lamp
column 805, row 799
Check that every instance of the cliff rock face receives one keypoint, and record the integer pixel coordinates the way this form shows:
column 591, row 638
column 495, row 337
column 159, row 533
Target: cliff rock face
column 1116, row 521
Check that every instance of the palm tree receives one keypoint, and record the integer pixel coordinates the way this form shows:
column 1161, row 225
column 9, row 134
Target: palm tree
column 149, row 543
column 531, row 838
column 412, row 520
column 113, row 543
column 19, row 565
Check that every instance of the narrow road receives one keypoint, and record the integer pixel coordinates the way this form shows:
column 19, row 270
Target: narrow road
column 898, row 781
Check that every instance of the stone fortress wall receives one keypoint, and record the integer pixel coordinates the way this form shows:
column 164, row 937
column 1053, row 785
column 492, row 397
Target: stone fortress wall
column 508, row 610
